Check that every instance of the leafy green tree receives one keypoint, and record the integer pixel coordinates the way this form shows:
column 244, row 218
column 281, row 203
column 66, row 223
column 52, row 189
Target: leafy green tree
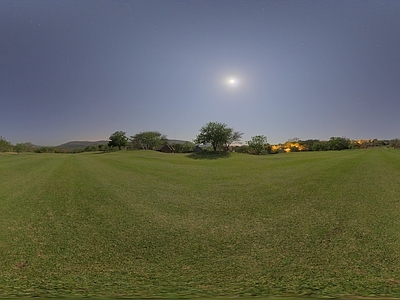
column 148, row 140
column 395, row 143
column 257, row 143
column 20, row 147
column 242, row 149
column 320, row 146
column 45, row 150
column 90, row 149
column 307, row 144
column 118, row 139
column 177, row 147
column 29, row 147
column 5, row 145
column 218, row 134
column 339, row 143
column 187, row 147
column 234, row 136
column 103, row 147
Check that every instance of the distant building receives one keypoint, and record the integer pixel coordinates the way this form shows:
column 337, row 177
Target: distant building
column 197, row 149
column 167, row 149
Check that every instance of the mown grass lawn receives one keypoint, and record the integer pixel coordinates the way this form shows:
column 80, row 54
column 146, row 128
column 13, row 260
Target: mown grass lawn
column 148, row 224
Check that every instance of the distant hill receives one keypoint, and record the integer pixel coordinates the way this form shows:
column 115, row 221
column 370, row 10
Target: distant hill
column 81, row 144
column 171, row 142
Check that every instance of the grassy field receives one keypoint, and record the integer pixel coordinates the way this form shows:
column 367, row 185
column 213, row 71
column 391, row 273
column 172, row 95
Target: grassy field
column 148, row 224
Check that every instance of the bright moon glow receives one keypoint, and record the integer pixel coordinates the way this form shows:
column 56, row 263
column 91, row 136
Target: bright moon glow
column 232, row 81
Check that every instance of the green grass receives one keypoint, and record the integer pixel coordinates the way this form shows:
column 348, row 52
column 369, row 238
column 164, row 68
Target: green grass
column 148, row 224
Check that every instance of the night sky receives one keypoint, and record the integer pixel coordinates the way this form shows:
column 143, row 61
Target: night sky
column 80, row 70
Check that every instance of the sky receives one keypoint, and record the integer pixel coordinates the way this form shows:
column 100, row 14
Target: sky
column 83, row 69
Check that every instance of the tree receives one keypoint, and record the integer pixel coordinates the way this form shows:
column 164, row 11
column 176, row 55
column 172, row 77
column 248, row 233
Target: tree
column 103, row 147
column 118, row 139
column 29, row 147
column 242, row 149
column 234, row 136
column 339, row 143
column 320, row 146
column 218, row 134
column 148, row 140
column 395, row 143
column 187, row 147
column 45, row 150
column 4, row 145
column 257, row 143
column 90, row 149
column 308, row 144
column 20, row 147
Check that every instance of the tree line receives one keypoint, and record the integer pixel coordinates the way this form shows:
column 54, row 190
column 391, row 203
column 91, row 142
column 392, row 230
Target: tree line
column 214, row 136
column 220, row 137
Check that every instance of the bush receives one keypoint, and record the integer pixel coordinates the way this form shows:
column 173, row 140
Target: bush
column 241, row 149
column 91, row 149
column 187, row 147
column 45, row 150
column 5, row 145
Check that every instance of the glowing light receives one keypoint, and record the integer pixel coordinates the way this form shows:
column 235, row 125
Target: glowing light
column 232, row 81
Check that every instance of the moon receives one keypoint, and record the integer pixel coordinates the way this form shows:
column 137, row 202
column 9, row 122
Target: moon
column 232, row 81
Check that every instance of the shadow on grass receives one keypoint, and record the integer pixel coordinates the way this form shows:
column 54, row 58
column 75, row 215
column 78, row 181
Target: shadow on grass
column 209, row 155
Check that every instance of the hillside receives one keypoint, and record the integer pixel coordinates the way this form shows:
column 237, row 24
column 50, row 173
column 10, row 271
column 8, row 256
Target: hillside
column 81, row 144
column 171, row 142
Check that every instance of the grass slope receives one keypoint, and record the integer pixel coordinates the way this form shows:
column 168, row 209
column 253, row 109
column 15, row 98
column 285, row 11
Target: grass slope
column 149, row 224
